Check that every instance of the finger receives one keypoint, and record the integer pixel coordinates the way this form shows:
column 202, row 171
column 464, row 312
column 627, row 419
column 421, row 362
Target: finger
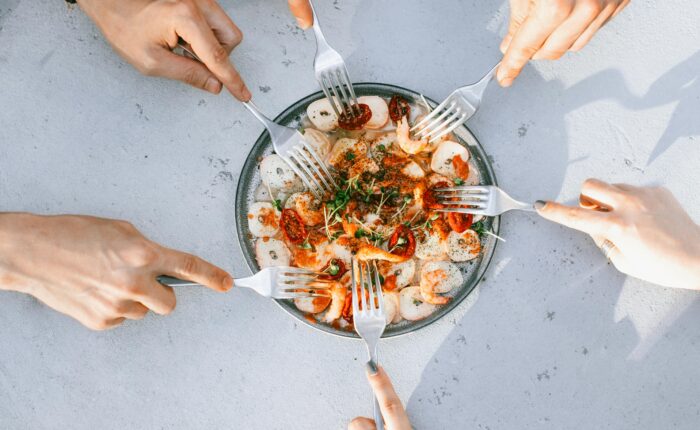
column 585, row 220
column 594, row 26
column 134, row 310
column 156, row 297
column 619, row 8
column 187, row 70
column 389, row 402
column 196, row 31
column 301, row 9
column 225, row 30
column 192, row 268
column 559, row 42
column 528, row 40
column 602, row 193
column 519, row 10
column 362, row 423
column 111, row 323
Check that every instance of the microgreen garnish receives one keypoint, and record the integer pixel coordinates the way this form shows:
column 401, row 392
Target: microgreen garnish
column 349, row 155
column 277, row 204
column 459, row 181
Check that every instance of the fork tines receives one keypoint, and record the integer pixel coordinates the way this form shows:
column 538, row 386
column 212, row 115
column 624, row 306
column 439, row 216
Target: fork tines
column 447, row 116
column 366, row 274
column 294, row 282
column 307, row 164
column 337, row 86
column 463, row 199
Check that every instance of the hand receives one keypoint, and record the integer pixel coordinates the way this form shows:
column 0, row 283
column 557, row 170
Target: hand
column 98, row 271
column 395, row 417
column 144, row 32
column 546, row 29
column 301, row 9
column 654, row 237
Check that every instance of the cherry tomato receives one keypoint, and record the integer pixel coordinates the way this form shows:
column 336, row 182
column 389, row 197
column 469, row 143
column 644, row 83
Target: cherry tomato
column 398, row 108
column 430, row 200
column 389, row 283
column 292, row 226
column 334, row 269
column 459, row 222
column 356, row 122
column 461, row 167
column 402, row 242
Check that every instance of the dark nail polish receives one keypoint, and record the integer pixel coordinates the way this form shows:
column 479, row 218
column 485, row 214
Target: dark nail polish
column 539, row 204
column 372, row 367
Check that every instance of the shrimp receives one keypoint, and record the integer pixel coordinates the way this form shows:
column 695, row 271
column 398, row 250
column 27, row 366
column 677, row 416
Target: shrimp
column 412, row 306
column 369, row 252
column 403, row 137
column 428, row 283
column 439, row 277
column 308, row 208
column 338, row 293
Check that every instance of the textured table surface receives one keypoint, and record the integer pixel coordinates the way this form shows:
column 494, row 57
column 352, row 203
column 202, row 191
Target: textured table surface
column 554, row 338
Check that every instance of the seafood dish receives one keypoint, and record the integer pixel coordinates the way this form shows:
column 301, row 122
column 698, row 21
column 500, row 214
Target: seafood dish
column 383, row 210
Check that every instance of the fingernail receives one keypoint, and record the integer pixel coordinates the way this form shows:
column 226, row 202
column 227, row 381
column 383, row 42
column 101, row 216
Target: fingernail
column 301, row 23
column 539, row 204
column 506, row 82
column 246, row 94
column 213, row 85
column 372, row 367
column 228, row 283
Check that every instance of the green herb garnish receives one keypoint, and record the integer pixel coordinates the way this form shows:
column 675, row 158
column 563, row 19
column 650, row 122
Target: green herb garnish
column 349, row 155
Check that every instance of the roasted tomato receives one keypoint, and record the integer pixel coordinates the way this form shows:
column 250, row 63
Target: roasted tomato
column 334, row 269
column 356, row 122
column 293, row 226
column 402, row 242
column 430, row 200
column 389, row 283
column 461, row 167
column 459, row 222
column 347, row 308
column 398, row 108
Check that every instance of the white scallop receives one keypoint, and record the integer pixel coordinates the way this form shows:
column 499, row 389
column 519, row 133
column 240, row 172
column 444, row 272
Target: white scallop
column 411, row 305
column 453, row 277
column 431, row 248
column 380, row 111
column 404, row 272
column 257, row 212
column 463, row 246
column 277, row 174
column 442, row 158
column 342, row 146
column 322, row 115
column 262, row 194
column 413, row 170
column 272, row 252
column 311, row 305
column 391, row 306
column 318, row 141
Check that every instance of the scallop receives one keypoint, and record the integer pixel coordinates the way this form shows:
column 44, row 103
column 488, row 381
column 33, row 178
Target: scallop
column 463, row 246
column 404, row 272
column 453, row 277
column 272, row 252
column 339, row 151
column 312, row 305
column 276, row 174
column 411, row 305
column 306, row 206
column 391, row 307
column 322, row 115
column 262, row 194
column 263, row 219
column 380, row 111
column 318, row 141
column 413, row 170
column 432, row 247
column 442, row 158
column 385, row 142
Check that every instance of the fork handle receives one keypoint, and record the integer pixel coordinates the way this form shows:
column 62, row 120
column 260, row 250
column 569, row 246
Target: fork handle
column 169, row 281
column 376, row 410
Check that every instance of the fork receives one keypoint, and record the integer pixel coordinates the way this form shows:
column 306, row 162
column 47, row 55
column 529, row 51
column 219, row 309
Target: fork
column 369, row 317
column 454, row 111
column 290, row 145
column 332, row 74
column 488, row 200
column 274, row 282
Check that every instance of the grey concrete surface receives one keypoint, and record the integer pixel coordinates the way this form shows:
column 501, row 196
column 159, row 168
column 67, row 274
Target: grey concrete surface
column 555, row 339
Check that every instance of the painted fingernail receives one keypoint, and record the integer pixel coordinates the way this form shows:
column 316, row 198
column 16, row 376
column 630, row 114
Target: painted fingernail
column 213, row 85
column 372, row 367
column 539, row 204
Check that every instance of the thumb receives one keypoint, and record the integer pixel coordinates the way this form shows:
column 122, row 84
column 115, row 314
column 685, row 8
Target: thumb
column 593, row 222
column 192, row 268
column 301, row 9
column 362, row 423
column 189, row 71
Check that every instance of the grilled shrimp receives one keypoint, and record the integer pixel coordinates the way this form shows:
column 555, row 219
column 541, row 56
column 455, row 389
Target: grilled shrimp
column 338, row 293
column 403, row 137
column 306, row 205
column 412, row 306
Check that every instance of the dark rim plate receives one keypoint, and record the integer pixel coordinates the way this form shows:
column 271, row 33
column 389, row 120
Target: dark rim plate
column 472, row 271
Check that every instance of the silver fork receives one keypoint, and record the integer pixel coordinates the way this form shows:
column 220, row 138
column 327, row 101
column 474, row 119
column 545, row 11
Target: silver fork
column 332, row 74
column 274, row 282
column 487, row 200
column 290, row 145
column 457, row 108
column 368, row 317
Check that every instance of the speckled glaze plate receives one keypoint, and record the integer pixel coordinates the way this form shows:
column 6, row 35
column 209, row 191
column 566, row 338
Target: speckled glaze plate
column 249, row 180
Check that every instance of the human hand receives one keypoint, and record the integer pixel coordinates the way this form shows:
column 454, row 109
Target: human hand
column 394, row 414
column 547, row 29
column 655, row 239
column 95, row 270
column 301, row 9
column 144, row 32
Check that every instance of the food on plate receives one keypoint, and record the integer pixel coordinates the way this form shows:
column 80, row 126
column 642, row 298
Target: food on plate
column 384, row 210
